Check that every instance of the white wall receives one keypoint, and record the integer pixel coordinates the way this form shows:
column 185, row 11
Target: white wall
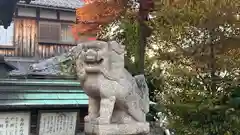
column 28, row 12
column 48, row 14
column 69, row 16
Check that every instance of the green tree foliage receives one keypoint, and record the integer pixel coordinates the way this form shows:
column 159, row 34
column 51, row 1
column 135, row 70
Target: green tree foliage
column 196, row 47
column 192, row 64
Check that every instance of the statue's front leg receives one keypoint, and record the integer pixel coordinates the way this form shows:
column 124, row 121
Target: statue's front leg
column 106, row 110
column 93, row 110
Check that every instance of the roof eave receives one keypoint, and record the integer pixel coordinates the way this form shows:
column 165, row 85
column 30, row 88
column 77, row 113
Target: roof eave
column 46, row 7
column 53, row 106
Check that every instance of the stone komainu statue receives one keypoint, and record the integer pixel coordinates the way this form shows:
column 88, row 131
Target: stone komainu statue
column 114, row 95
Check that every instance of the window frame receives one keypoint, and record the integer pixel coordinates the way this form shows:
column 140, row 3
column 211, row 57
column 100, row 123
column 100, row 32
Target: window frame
column 62, row 42
column 59, row 34
column 39, row 31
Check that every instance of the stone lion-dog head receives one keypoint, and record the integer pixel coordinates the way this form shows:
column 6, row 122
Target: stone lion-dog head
column 102, row 57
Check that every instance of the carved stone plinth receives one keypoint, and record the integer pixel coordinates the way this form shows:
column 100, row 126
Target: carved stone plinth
column 117, row 129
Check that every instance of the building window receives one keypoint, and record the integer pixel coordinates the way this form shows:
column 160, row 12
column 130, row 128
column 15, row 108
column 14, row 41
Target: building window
column 66, row 35
column 52, row 32
column 6, row 35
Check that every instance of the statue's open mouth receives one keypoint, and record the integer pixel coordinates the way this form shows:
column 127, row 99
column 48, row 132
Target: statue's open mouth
column 96, row 62
column 93, row 65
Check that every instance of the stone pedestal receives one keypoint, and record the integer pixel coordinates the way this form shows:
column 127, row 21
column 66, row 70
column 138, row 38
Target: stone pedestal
column 117, row 129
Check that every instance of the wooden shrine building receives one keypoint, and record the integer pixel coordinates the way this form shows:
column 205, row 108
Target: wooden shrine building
column 39, row 103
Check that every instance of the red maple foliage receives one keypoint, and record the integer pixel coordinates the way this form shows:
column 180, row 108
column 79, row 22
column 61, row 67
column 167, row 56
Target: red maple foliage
column 97, row 13
column 94, row 14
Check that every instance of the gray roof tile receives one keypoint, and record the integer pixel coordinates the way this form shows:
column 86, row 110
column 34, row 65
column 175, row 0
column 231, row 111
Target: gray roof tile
column 72, row 4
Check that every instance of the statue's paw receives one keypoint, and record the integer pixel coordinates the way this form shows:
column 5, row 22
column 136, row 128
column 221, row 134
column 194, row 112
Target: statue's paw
column 100, row 120
column 89, row 118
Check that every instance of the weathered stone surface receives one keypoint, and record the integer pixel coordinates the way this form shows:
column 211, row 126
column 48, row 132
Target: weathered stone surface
column 53, row 65
column 117, row 100
column 117, row 129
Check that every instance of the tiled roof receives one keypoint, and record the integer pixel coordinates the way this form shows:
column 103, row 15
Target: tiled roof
column 71, row 4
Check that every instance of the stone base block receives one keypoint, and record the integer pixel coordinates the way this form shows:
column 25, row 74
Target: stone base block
column 117, row 129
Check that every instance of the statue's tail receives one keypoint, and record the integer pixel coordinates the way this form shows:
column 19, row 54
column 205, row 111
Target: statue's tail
column 144, row 92
column 57, row 65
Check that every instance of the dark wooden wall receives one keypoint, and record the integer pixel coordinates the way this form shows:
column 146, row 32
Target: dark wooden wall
column 26, row 42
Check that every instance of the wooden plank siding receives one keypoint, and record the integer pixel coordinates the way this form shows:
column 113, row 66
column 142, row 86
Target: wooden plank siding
column 46, row 51
column 7, row 52
column 26, row 42
column 25, row 37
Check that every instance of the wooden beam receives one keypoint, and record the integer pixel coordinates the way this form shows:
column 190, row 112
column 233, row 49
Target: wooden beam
column 38, row 14
column 58, row 15
column 16, row 12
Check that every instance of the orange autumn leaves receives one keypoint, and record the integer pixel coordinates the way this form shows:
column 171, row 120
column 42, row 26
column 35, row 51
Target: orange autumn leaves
column 93, row 15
